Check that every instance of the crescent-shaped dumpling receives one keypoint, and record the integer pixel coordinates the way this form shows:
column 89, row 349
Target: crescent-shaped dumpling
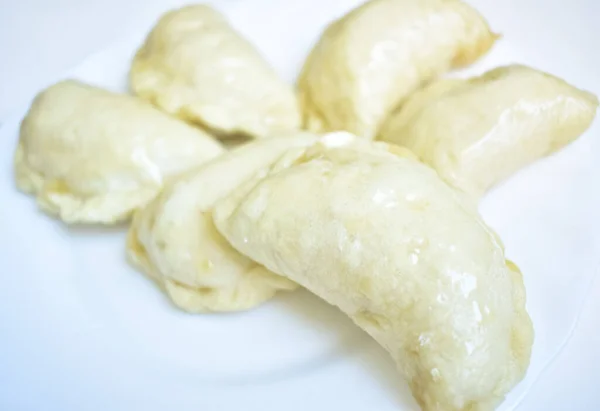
column 477, row 132
column 195, row 66
column 174, row 240
column 370, row 60
column 92, row 156
column 404, row 255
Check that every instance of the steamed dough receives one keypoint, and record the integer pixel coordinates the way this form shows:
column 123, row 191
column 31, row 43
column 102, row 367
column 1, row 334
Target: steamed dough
column 174, row 240
column 370, row 60
column 92, row 156
column 404, row 255
column 196, row 66
column 477, row 132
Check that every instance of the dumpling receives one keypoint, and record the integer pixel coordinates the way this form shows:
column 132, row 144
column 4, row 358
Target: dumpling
column 370, row 60
column 92, row 156
column 404, row 255
column 174, row 240
column 196, row 66
column 477, row 132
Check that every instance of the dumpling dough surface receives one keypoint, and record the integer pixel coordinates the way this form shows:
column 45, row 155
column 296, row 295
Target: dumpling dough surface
column 404, row 255
column 370, row 60
column 92, row 156
column 195, row 66
column 477, row 132
column 174, row 239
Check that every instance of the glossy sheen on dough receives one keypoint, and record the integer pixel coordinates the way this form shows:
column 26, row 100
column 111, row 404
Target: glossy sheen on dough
column 370, row 60
column 174, row 240
column 92, row 156
column 477, row 132
column 195, row 66
column 405, row 256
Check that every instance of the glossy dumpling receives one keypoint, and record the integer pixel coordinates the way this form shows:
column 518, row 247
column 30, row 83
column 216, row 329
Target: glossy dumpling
column 92, row 156
column 174, row 240
column 404, row 255
column 370, row 60
column 477, row 132
column 196, row 66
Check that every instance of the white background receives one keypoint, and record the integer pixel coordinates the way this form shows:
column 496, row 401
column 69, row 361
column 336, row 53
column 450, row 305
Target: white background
column 39, row 39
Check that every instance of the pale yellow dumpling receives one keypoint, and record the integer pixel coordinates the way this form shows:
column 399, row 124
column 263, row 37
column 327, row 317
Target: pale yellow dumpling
column 92, row 156
column 370, row 60
column 174, row 240
column 404, row 255
column 478, row 132
column 196, row 66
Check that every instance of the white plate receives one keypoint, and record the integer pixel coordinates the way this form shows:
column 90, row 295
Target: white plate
column 81, row 330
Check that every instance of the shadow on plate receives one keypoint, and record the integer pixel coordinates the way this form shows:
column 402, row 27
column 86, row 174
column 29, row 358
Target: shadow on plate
column 354, row 347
